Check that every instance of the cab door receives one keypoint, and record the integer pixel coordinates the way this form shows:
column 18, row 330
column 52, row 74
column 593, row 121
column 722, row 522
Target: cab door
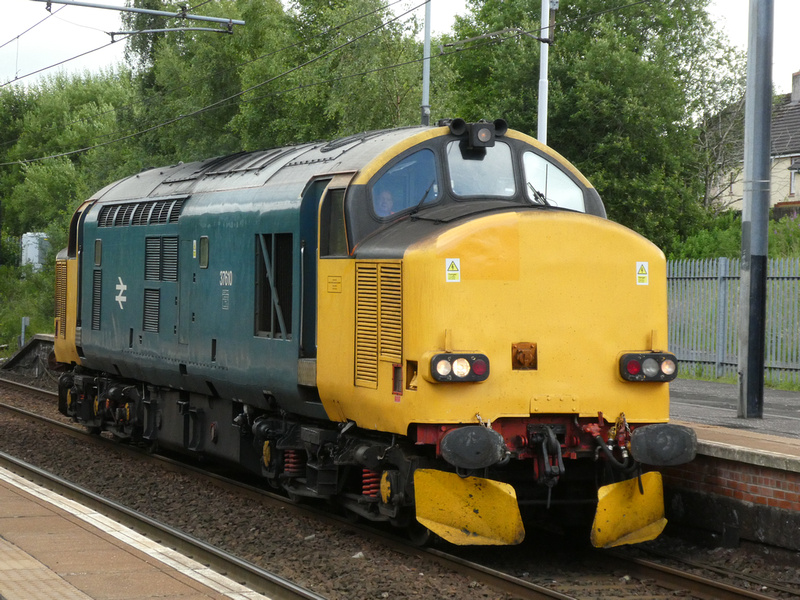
column 334, row 291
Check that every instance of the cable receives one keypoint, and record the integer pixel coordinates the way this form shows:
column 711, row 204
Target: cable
column 33, row 26
column 55, row 65
column 219, row 103
column 224, row 100
column 263, row 56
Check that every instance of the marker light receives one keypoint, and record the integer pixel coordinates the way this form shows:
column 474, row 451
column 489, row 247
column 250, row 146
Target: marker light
column 648, row 366
column 668, row 367
column 459, row 367
column 443, row 367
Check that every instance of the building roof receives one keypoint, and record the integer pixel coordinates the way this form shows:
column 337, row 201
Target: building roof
column 785, row 129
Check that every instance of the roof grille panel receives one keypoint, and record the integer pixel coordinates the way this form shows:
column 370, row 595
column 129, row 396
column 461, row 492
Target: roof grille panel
column 145, row 212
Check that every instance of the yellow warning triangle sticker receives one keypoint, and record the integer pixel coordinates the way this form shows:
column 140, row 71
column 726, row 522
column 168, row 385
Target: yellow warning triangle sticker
column 642, row 270
column 452, row 266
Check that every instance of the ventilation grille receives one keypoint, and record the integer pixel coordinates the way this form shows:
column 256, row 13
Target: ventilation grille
column 169, row 259
column 146, row 212
column 161, row 258
column 152, row 259
column 366, row 325
column 61, row 298
column 391, row 310
column 379, row 319
column 152, row 307
column 97, row 295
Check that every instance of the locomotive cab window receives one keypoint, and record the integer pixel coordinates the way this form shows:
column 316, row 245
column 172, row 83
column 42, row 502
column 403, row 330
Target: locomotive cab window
column 481, row 171
column 332, row 234
column 410, row 183
column 547, row 184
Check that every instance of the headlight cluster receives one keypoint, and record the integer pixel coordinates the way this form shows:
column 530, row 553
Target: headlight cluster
column 651, row 366
column 459, row 367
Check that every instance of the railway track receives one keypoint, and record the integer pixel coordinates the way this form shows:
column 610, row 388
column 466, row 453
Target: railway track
column 254, row 577
column 660, row 579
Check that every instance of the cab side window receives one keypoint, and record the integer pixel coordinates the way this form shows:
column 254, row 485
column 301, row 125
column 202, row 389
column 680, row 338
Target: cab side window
column 547, row 184
column 410, row 183
column 333, row 235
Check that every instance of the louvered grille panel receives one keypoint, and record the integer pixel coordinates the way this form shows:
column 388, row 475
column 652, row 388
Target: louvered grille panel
column 152, row 307
column 140, row 214
column 123, row 214
column 160, row 212
column 169, row 259
column 152, row 259
column 152, row 212
column 102, row 218
column 391, row 312
column 108, row 221
column 366, row 367
column 97, row 295
column 177, row 207
column 61, row 298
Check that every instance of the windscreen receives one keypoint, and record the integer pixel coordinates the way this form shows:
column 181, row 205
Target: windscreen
column 481, row 171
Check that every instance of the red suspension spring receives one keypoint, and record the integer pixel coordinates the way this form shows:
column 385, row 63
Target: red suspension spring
column 370, row 483
column 293, row 463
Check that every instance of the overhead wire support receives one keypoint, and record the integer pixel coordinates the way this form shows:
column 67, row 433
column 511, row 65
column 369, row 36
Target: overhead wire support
column 174, row 29
column 159, row 13
column 495, row 36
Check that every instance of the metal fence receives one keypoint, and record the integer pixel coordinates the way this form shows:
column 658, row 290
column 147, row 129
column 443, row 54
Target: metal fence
column 703, row 298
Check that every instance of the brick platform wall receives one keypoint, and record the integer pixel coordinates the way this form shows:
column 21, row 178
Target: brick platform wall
column 748, row 483
column 754, row 502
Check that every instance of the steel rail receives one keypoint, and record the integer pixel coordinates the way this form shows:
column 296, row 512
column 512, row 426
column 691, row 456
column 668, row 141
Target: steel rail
column 675, row 579
column 660, row 575
column 256, row 578
column 24, row 386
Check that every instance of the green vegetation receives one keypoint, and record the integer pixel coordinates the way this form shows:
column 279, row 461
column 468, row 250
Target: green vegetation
column 632, row 91
column 723, row 238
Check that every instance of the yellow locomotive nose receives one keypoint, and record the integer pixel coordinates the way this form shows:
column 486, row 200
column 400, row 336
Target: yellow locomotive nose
column 552, row 300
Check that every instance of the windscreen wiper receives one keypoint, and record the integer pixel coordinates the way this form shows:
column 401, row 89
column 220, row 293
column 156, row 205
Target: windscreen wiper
column 424, row 197
column 537, row 195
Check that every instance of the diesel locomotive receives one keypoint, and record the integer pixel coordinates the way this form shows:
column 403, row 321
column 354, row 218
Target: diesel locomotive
column 436, row 327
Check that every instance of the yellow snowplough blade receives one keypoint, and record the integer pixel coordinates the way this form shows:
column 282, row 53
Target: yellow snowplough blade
column 467, row 511
column 627, row 516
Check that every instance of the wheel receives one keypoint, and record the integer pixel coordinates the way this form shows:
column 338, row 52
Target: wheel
column 420, row 535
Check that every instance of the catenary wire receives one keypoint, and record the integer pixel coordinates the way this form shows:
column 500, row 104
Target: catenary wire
column 220, row 103
column 232, row 97
column 16, row 37
column 149, row 100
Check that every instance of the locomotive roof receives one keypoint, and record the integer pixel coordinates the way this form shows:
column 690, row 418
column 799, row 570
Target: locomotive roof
column 289, row 167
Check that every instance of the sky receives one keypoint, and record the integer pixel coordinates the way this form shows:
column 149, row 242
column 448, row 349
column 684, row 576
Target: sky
column 74, row 30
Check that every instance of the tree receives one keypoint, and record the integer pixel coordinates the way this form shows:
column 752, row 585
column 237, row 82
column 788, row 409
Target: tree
column 49, row 193
column 626, row 87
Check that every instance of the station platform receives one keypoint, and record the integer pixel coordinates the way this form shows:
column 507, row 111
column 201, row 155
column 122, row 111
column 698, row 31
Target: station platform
column 53, row 548
column 711, row 409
